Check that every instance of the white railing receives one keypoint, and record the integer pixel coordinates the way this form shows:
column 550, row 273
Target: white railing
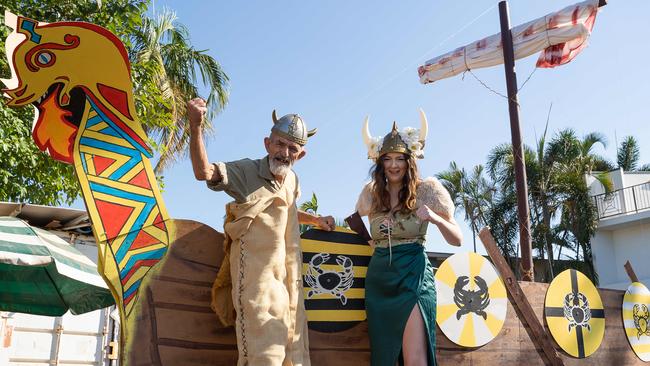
column 623, row 201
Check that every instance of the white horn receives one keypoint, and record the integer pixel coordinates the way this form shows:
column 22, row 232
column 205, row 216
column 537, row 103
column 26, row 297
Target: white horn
column 424, row 126
column 365, row 132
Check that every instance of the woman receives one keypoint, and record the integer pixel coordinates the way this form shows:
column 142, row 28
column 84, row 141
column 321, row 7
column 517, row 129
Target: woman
column 400, row 289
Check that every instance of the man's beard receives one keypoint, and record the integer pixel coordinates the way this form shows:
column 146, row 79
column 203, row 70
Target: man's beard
column 279, row 168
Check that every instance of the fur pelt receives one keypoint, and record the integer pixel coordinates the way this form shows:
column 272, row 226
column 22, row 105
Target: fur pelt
column 430, row 192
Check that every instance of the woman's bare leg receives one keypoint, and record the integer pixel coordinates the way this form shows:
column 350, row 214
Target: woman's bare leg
column 414, row 342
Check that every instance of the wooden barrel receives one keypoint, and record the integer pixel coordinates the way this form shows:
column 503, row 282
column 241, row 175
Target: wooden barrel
column 177, row 327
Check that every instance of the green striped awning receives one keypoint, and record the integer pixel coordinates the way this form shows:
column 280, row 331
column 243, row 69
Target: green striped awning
column 42, row 274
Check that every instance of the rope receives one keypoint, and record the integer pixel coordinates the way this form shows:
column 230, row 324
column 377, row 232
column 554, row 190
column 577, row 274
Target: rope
column 493, row 90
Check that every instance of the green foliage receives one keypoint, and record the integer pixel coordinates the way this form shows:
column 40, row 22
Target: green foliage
column 26, row 174
column 311, row 207
column 472, row 193
column 162, row 45
column 562, row 214
column 628, row 154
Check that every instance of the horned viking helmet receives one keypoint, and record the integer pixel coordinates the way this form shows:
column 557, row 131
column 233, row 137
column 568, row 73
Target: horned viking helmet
column 292, row 127
column 408, row 141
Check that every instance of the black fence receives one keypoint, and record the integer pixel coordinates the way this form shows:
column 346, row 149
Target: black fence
column 623, row 201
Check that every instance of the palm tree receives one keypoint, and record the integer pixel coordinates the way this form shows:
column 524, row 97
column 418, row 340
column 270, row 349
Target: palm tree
column 628, row 154
column 539, row 176
column 504, row 225
column 163, row 45
column 471, row 193
column 544, row 194
column 561, row 211
column 575, row 159
column 555, row 176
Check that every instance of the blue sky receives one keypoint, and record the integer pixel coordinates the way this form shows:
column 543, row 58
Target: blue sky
column 334, row 62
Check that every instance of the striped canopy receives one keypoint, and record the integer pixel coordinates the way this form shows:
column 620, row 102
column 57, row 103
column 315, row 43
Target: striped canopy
column 42, row 274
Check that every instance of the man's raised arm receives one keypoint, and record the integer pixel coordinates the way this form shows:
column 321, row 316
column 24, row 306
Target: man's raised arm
column 203, row 170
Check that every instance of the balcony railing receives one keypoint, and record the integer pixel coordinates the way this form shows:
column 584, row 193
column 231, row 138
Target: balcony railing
column 623, row 201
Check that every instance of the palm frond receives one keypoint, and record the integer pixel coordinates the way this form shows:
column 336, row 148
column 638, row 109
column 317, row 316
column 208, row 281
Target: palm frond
column 163, row 44
column 591, row 139
column 628, row 154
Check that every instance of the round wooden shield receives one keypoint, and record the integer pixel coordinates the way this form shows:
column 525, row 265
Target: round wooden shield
column 334, row 266
column 636, row 319
column 472, row 300
column 574, row 313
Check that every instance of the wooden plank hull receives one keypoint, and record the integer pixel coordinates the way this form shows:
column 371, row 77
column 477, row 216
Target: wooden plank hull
column 177, row 327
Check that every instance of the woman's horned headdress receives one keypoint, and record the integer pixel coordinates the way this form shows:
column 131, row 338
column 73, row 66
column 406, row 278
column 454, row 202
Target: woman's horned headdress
column 408, row 141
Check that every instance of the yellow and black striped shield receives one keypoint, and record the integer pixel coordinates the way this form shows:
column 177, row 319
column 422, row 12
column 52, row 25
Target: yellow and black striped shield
column 334, row 266
column 574, row 313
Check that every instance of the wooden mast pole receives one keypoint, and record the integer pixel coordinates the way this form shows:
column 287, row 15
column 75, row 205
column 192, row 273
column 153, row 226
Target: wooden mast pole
column 521, row 186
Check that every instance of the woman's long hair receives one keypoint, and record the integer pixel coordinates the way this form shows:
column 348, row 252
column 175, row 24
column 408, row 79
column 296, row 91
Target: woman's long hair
column 407, row 194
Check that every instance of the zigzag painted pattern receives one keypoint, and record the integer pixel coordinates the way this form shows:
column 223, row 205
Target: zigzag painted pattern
column 131, row 221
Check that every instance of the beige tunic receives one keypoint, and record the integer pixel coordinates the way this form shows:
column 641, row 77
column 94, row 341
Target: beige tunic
column 265, row 264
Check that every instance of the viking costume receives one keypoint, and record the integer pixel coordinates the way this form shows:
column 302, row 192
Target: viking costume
column 399, row 274
column 259, row 285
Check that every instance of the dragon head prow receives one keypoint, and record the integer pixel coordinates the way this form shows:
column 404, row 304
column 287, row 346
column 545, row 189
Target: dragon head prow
column 56, row 67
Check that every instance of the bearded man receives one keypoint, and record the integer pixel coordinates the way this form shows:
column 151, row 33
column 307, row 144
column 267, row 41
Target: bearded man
column 262, row 272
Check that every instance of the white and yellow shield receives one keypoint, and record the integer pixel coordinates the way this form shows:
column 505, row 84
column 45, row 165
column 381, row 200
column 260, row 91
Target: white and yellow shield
column 574, row 313
column 636, row 316
column 472, row 300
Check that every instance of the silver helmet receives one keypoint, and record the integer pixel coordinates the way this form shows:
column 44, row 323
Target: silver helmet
column 292, row 127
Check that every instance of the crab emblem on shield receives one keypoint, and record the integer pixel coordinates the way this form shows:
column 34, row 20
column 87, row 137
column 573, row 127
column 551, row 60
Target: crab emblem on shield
column 469, row 301
column 322, row 281
column 641, row 315
column 577, row 311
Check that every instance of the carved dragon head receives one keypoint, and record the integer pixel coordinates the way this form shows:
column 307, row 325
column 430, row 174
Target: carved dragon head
column 58, row 67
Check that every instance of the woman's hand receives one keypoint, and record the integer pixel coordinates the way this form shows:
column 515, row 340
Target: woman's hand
column 424, row 213
column 447, row 226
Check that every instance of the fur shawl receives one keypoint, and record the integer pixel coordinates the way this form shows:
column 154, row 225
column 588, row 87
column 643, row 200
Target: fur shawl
column 430, row 192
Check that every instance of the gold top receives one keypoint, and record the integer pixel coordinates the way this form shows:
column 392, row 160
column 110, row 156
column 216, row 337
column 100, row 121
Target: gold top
column 403, row 229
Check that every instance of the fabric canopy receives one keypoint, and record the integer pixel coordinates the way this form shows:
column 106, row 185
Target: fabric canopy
column 42, row 274
column 561, row 36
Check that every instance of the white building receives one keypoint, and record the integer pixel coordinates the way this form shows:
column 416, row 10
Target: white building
column 623, row 232
column 69, row 339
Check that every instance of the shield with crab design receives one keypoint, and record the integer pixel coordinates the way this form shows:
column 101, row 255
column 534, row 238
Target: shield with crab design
column 472, row 301
column 636, row 319
column 575, row 314
column 334, row 266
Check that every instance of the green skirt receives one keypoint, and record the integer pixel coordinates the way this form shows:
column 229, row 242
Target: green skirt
column 393, row 287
